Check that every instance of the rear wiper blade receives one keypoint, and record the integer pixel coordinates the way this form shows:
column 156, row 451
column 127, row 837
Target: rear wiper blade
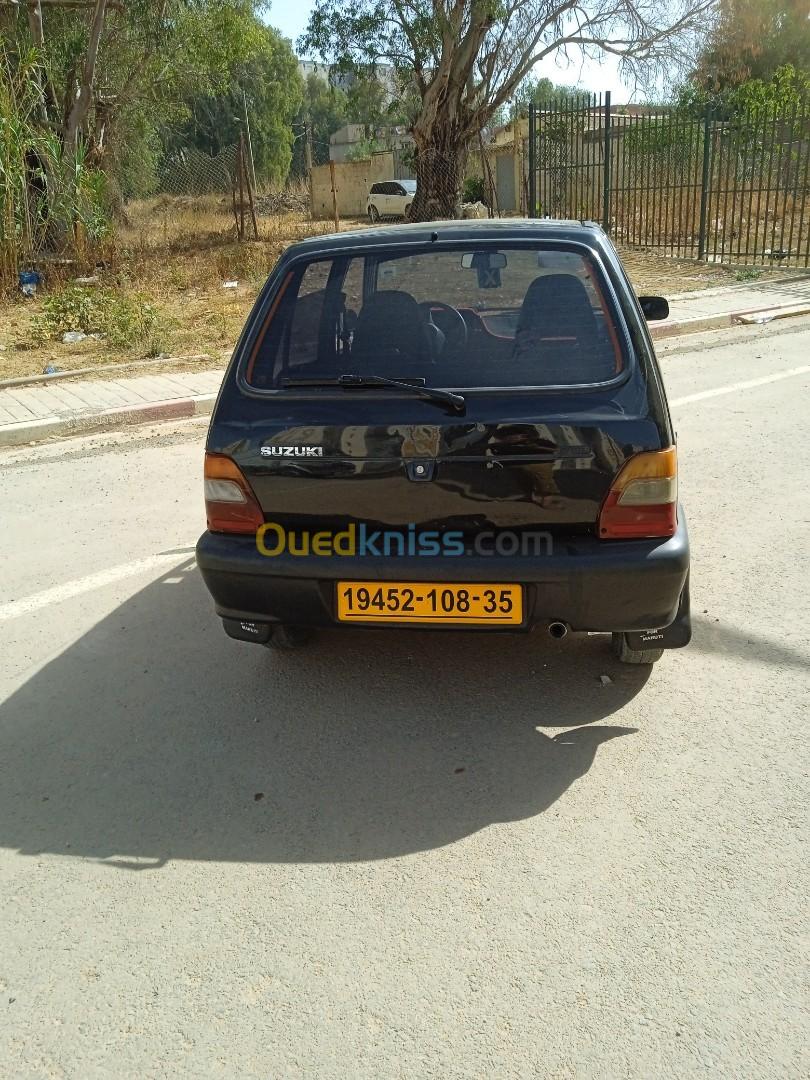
column 352, row 382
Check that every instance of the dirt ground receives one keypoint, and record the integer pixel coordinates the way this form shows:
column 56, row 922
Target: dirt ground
column 177, row 253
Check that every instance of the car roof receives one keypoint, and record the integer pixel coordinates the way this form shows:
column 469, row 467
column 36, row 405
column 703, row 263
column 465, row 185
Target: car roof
column 499, row 229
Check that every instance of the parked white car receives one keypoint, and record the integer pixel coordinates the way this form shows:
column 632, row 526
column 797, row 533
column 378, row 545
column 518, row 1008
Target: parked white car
column 391, row 198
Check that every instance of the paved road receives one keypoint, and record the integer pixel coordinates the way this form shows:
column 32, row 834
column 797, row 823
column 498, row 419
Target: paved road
column 381, row 858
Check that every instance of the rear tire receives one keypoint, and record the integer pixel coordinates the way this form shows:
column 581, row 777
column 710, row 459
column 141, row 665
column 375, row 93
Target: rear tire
column 286, row 637
column 626, row 655
column 373, row 215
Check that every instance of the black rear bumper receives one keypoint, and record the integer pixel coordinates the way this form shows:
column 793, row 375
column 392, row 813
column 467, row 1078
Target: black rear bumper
column 590, row 584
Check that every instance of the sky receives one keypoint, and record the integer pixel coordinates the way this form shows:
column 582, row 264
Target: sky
column 291, row 16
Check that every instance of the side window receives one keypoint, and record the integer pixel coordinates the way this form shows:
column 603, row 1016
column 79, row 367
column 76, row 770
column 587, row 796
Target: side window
column 309, row 329
column 353, row 286
column 398, row 189
column 307, row 313
column 375, row 189
column 291, row 335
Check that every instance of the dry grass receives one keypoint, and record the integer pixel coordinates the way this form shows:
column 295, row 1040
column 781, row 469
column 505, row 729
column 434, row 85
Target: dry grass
column 178, row 251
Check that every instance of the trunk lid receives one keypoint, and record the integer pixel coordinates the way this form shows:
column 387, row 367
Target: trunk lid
column 514, row 461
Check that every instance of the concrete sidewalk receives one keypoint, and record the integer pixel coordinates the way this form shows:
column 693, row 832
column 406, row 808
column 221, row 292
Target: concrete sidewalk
column 50, row 405
column 74, row 406
column 749, row 302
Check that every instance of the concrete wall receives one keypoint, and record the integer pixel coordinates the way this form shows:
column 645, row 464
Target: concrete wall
column 352, row 182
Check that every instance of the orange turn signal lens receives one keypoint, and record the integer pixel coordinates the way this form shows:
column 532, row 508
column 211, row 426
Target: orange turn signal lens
column 230, row 505
column 643, row 498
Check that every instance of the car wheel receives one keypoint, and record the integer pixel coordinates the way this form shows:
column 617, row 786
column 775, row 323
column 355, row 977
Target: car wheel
column 623, row 652
column 407, row 214
column 373, row 214
column 285, row 637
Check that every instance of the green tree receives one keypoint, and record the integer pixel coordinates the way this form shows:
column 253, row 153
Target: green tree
column 371, row 103
column 109, row 72
column 322, row 111
column 744, row 105
column 267, row 85
column 753, row 39
column 465, row 59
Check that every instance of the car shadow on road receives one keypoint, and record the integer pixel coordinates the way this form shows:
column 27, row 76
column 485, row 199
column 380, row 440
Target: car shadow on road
column 726, row 640
column 154, row 737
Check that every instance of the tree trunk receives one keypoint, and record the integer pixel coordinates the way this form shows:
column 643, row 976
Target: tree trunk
column 440, row 161
column 80, row 107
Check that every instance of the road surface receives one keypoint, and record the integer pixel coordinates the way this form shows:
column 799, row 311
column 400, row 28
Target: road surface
column 396, row 855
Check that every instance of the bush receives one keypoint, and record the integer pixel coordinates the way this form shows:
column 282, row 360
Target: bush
column 474, row 190
column 122, row 320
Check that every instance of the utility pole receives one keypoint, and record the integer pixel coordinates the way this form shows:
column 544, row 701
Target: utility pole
column 249, row 140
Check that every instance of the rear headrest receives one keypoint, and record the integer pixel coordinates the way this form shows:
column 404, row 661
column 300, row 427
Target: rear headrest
column 390, row 322
column 557, row 305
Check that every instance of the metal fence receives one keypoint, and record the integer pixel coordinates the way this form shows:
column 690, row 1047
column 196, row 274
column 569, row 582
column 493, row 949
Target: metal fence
column 732, row 188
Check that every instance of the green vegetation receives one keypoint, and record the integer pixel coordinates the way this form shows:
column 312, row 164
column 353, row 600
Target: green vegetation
column 123, row 320
column 755, row 60
column 752, row 40
column 97, row 101
column 474, row 190
column 48, row 195
column 322, row 111
column 781, row 94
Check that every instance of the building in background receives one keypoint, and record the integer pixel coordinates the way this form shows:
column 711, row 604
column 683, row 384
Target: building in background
column 384, row 74
column 351, row 140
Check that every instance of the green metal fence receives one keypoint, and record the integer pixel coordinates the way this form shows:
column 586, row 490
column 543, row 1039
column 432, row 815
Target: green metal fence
column 730, row 189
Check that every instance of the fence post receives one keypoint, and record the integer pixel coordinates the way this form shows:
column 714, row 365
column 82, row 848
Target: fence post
column 704, row 185
column 532, row 161
column 249, row 140
column 334, row 195
column 240, row 171
column 607, row 163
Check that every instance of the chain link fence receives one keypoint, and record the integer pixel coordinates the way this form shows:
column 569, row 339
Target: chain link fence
column 189, row 171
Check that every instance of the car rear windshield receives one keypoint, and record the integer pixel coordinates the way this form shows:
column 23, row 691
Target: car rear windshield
column 488, row 317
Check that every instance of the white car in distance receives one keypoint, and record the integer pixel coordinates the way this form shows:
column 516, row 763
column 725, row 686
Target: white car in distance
column 390, row 199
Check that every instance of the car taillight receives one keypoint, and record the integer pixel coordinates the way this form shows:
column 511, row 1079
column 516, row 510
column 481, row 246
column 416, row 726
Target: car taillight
column 643, row 498
column 230, row 505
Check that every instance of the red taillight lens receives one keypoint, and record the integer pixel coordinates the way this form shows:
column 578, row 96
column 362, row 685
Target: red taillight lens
column 230, row 505
column 643, row 498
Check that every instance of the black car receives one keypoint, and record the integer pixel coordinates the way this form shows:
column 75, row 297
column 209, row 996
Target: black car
column 456, row 424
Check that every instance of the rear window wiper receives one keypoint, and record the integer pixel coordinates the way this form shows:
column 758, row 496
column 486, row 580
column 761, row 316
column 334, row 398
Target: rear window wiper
column 360, row 382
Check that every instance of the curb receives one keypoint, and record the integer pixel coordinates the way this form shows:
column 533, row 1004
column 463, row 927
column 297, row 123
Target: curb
column 85, row 424
column 689, row 326
column 700, row 323
column 72, row 373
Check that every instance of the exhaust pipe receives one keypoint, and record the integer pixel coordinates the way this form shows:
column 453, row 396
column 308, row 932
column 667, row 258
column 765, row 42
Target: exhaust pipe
column 557, row 630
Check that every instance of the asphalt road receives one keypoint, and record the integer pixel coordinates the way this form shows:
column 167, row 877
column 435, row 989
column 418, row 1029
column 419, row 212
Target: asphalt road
column 390, row 857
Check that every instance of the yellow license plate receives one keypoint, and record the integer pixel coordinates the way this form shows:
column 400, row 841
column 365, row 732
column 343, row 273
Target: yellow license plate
column 429, row 602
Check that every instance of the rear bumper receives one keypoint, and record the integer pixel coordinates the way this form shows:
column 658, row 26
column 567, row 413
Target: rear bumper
column 603, row 586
